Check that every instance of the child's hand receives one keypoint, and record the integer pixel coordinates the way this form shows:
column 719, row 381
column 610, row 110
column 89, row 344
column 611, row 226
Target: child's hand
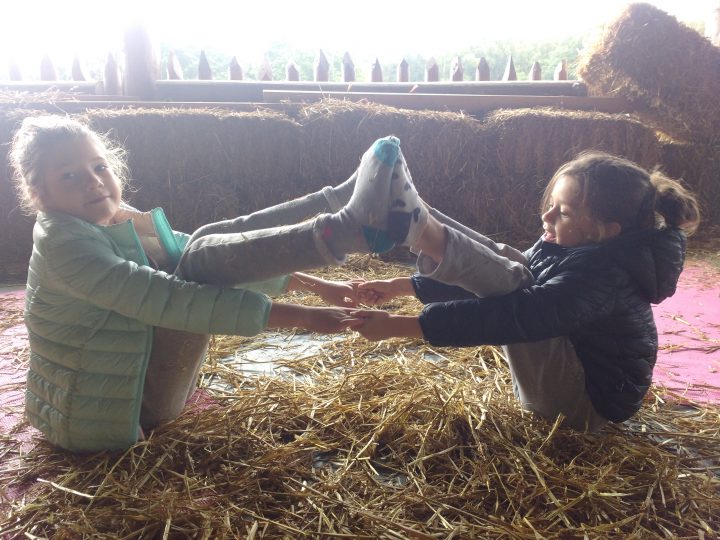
column 376, row 325
column 337, row 293
column 326, row 320
column 379, row 291
column 334, row 293
column 329, row 320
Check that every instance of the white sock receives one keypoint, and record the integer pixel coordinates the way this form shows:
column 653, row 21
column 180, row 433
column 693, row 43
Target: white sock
column 408, row 213
column 365, row 216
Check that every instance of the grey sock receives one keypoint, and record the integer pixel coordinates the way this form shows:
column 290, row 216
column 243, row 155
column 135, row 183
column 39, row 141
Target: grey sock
column 341, row 234
column 360, row 225
column 338, row 196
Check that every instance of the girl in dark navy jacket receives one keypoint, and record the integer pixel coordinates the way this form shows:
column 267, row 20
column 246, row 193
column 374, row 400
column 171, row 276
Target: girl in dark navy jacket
column 572, row 312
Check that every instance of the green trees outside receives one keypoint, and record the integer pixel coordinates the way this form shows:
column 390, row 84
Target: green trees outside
column 496, row 53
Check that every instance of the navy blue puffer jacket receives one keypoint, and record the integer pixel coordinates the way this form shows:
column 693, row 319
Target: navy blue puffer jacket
column 597, row 295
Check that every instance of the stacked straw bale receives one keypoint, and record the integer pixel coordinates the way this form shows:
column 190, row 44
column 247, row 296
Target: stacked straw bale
column 659, row 64
column 15, row 226
column 528, row 145
column 210, row 164
column 699, row 166
column 205, row 165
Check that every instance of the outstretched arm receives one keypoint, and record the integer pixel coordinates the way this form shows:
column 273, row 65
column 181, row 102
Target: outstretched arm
column 379, row 291
column 376, row 325
column 326, row 320
column 335, row 293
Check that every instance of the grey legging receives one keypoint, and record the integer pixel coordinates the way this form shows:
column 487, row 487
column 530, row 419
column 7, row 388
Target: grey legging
column 271, row 242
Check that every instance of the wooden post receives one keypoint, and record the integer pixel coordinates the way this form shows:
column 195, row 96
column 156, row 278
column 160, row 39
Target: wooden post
column 561, row 71
column 348, row 68
column 142, row 67
column 265, row 70
column 15, row 72
column 322, row 68
column 111, row 78
column 376, row 72
column 456, row 70
column 174, row 69
column 432, row 71
column 535, row 72
column 510, row 74
column 47, row 69
column 403, row 71
column 291, row 72
column 204, row 70
column 236, row 70
column 77, row 71
column 482, row 71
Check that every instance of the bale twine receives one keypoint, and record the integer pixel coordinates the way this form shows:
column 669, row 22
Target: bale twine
column 658, row 63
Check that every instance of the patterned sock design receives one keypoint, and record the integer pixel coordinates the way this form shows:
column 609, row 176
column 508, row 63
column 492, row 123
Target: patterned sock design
column 408, row 214
column 370, row 202
column 361, row 225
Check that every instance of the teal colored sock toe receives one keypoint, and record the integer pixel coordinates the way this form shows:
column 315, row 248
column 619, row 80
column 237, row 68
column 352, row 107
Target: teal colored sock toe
column 377, row 240
column 387, row 150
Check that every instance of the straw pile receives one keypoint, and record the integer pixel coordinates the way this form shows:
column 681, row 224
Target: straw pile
column 365, row 440
column 658, row 63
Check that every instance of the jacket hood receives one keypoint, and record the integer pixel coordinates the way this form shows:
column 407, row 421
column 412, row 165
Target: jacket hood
column 653, row 259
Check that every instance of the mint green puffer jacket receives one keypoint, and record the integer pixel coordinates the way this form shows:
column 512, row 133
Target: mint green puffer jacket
column 91, row 304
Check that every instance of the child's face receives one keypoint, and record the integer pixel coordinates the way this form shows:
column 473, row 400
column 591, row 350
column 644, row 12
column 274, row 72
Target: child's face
column 566, row 221
column 79, row 182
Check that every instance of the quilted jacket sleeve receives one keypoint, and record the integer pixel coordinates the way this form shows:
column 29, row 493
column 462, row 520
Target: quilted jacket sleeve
column 557, row 307
column 429, row 290
column 82, row 263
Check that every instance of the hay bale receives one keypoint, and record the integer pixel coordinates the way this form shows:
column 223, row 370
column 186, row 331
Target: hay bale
column 208, row 164
column 15, row 225
column 488, row 173
column 658, row 63
column 204, row 165
column 699, row 167
column 445, row 151
column 528, row 146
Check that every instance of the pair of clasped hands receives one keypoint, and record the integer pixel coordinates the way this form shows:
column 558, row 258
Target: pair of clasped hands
column 350, row 297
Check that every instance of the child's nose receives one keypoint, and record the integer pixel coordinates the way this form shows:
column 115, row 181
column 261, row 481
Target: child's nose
column 93, row 180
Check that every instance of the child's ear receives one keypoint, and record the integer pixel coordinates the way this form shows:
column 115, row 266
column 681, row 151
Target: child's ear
column 609, row 230
column 36, row 198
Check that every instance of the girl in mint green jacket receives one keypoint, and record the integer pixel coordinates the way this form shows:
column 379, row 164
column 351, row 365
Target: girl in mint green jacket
column 119, row 306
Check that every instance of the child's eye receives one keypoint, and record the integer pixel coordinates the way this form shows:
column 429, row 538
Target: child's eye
column 68, row 176
column 101, row 168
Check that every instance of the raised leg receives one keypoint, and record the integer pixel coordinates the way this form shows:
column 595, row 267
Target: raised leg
column 328, row 200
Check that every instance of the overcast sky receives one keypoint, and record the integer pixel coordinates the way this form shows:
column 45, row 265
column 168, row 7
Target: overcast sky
column 373, row 28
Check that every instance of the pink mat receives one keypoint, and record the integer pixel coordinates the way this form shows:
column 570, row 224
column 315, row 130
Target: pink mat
column 689, row 335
